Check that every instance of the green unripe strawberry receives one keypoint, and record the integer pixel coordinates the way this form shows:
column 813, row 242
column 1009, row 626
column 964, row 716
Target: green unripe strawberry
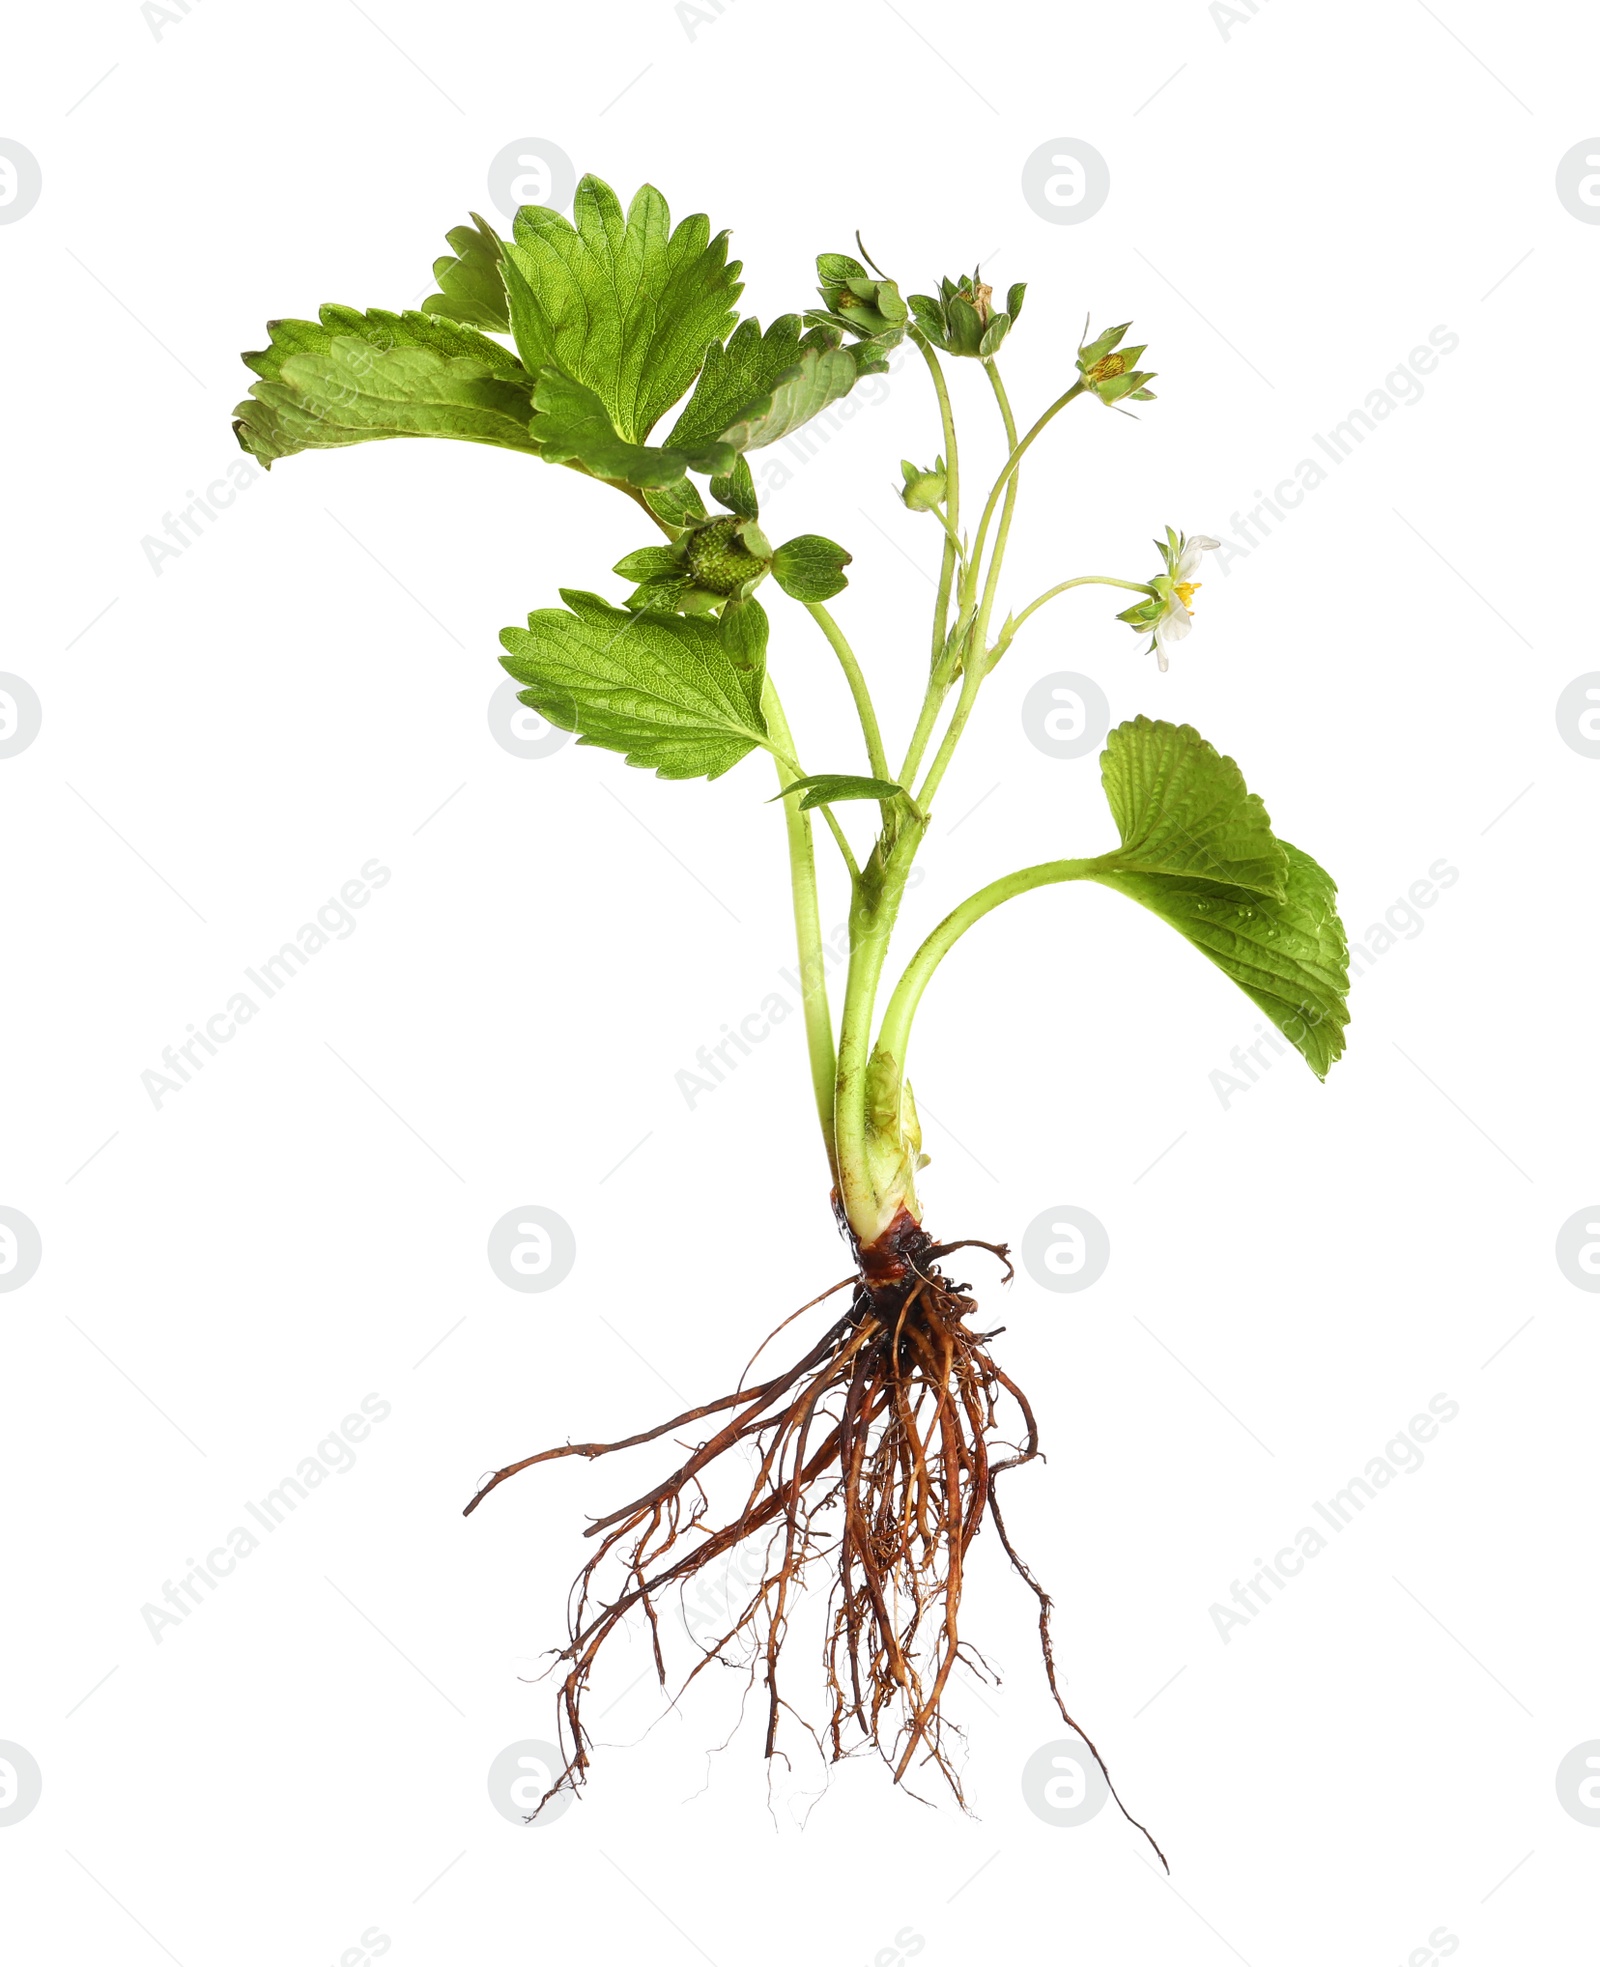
column 719, row 560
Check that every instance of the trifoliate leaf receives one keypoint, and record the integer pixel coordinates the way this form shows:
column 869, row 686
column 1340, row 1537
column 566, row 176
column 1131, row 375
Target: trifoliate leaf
column 677, row 692
column 625, row 306
column 352, row 395
column 810, row 568
column 571, row 424
column 1199, row 851
column 828, row 788
column 471, row 288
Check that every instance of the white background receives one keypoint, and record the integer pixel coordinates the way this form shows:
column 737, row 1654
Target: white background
column 303, row 1759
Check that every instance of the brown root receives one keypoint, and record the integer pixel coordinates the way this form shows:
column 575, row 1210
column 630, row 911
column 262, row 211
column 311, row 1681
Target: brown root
column 891, row 1429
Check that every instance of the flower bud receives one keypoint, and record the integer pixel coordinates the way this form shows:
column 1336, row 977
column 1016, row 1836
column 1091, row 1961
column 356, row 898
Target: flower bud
column 923, row 491
column 961, row 319
column 853, row 300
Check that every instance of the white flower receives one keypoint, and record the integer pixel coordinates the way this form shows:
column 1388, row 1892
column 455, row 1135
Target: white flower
column 1177, row 590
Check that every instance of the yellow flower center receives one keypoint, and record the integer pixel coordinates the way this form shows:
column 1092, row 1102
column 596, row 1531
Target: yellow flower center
column 1186, row 591
column 1108, row 367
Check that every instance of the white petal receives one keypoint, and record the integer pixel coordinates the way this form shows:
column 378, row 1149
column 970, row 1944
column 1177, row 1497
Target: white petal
column 1189, row 559
column 1205, row 542
column 1172, row 627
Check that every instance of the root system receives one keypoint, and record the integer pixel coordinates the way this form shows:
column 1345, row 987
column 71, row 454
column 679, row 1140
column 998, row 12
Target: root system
column 867, row 1466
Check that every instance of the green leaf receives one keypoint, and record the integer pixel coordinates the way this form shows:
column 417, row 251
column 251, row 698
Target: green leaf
column 1182, row 808
column 382, row 331
column 625, row 306
column 736, row 374
column 1199, row 851
column 744, row 638
column 1287, row 953
column 736, row 490
column 672, row 594
column 760, row 387
column 351, row 394
column 677, row 692
column 810, row 568
column 827, row 788
column 646, row 562
column 571, row 424
column 820, row 377
column 471, row 289
column 678, row 504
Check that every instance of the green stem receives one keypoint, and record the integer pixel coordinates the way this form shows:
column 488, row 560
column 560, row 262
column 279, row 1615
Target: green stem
column 975, row 665
column 781, row 751
column 972, row 676
column 952, row 498
column 877, row 897
column 952, row 539
column 858, row 687
column 938, row 678
column 871, row 926
column 938, row 688
column 1004, row 533
column 838, row 838
column 1081, row 580
column 807, row 929
column 1013, row 461
column 939, row 683
column 895, row 1034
